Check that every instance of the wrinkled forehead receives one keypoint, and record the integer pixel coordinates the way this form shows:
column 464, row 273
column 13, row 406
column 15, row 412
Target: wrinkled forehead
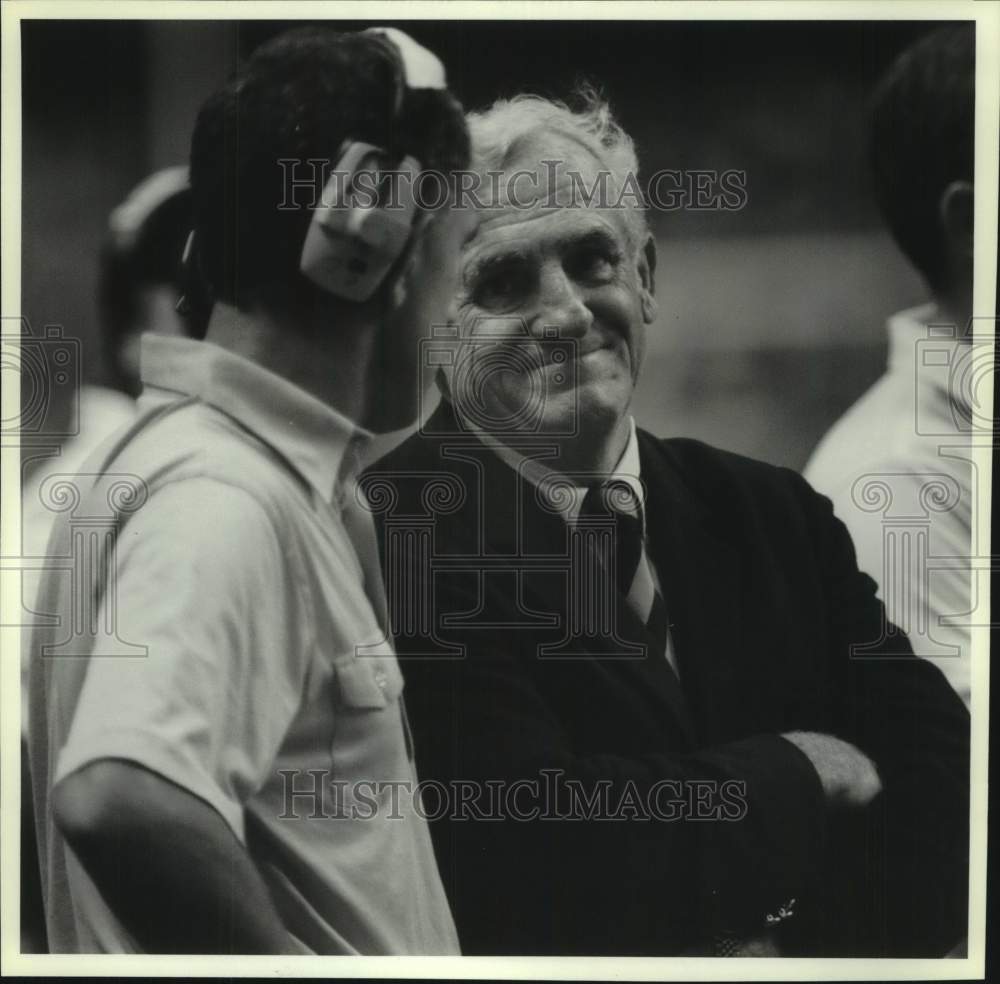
column 550, row 185
column 542, row 169
column 533, row 235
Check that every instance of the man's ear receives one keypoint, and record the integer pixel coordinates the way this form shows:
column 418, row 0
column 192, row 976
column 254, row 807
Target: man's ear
column 647, row 279
column 957, row 211
column 398, row 280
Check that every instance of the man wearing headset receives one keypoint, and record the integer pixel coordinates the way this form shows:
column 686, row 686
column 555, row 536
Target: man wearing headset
column 237, row 663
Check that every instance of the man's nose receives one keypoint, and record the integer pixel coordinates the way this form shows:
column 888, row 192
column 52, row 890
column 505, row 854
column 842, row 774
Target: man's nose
column 561, row 305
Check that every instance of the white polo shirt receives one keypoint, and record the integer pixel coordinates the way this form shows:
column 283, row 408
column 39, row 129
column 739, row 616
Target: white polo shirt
column 898, row 469
column 237, row 653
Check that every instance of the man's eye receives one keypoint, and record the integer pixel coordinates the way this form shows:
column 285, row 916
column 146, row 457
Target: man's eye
column 499, row 289
column 593, row 265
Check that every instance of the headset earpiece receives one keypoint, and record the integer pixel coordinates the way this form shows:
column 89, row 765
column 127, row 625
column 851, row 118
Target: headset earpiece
column 353, row 240
column 350, row 246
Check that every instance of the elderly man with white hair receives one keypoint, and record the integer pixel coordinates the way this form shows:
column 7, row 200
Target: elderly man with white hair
column 648, row 685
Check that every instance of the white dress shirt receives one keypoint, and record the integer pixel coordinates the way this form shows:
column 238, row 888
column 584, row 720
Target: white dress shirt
column 566, row 492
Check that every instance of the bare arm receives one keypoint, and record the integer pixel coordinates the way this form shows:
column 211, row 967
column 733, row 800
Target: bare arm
column 166, row 863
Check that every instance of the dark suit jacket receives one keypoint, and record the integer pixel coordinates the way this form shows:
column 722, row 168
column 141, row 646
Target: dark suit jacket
column 765, row 602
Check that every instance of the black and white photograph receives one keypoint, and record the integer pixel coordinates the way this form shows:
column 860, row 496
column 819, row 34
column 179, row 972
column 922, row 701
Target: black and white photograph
column 485, row 483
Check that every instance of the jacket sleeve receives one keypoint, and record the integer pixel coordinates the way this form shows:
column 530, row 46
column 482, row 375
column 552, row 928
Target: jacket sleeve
column 900, row 711
column 592, row 868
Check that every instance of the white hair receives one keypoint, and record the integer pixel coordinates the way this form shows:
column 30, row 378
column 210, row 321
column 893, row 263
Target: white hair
column 498, row 133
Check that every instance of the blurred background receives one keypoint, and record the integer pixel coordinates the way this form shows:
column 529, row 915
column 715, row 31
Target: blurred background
column 771, row 317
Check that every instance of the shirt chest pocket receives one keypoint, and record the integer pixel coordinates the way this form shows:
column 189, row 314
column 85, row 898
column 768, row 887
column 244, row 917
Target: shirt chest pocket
column 370, row 736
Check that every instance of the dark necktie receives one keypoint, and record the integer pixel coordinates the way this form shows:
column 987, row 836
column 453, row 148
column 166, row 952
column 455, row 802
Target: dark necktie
column 617, row 500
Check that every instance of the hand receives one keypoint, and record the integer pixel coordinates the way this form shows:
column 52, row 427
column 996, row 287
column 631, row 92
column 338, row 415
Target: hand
column 848, row 776
column 764, row 945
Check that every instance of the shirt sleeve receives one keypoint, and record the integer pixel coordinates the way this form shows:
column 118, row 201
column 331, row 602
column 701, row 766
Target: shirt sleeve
column 204, row 583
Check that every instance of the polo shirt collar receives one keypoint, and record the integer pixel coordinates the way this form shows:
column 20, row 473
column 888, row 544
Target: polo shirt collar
column 320, row 443
column 928, row 350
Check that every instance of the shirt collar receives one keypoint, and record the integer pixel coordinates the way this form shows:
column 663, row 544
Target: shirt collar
column 320, row 443
column 928, row 350
column 565, row 495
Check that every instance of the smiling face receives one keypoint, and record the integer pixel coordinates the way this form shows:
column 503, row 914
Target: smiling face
column 535, row 272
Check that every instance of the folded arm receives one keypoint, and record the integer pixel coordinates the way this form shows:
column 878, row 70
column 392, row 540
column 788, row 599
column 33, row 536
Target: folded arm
column 899, row 710
column 608, row 881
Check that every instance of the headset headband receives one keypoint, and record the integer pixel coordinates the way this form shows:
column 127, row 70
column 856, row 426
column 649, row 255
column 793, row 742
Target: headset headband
column 421, row 69
column 349, row 250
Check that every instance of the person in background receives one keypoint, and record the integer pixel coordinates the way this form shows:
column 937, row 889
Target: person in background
column 140, row 283
column 238, row 661
column 142, row 274
column 908, row 437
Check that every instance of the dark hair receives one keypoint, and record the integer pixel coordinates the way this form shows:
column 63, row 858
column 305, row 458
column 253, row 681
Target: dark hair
column 299, row 97
column 922, row 139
